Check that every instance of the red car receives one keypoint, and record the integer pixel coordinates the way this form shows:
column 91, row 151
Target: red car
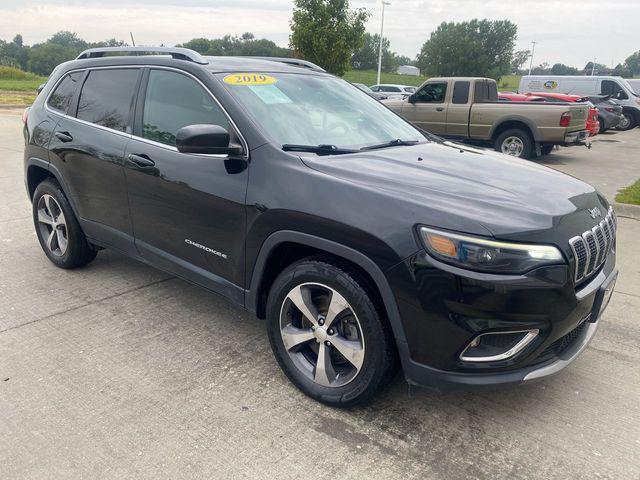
column 592, row 120
column 518, row 97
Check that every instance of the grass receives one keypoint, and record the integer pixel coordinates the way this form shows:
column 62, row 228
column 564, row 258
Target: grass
column 18, row 87
column 630, row 194
column 369, row 77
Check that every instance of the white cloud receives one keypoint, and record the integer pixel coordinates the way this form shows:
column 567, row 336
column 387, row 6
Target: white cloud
column 567, row 31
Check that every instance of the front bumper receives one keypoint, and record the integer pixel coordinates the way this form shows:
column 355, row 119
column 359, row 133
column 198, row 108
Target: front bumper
column 568, row 319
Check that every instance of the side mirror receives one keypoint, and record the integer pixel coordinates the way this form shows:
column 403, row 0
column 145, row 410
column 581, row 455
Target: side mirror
column 412, row 98
column 40, row 88
column 206, row 139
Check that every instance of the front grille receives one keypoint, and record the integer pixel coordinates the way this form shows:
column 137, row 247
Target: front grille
column 592, row 247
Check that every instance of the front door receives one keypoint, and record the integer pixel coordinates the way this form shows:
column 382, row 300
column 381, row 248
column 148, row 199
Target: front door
column 428, row 110
column 187, row 209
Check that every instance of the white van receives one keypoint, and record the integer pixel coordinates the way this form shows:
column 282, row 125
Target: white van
column 617, row 87
column 635, row 84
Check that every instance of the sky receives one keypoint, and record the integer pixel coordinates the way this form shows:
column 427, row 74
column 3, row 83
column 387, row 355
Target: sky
column 572, row 32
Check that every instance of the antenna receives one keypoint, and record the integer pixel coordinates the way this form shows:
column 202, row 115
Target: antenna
column 132, row 40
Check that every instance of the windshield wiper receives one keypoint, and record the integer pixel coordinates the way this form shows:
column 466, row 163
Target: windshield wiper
column 391, row 143
column 324, row 149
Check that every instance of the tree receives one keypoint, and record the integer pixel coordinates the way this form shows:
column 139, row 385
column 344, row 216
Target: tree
column 562, row 69
column 633, row 63
column 68, row 40
column 246, row 45
column 475, row 48
column 518, row 59
column 327, row 32
column 44, row 57
column 588, row 68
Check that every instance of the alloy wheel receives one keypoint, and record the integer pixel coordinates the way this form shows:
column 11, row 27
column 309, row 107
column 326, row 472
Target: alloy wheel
column 322, row 334
column 512, row 146
column 52, row 225
column 625, row 121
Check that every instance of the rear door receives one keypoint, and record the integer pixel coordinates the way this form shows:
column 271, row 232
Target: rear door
column 458, row 109
column 428, row 109
column 188, row 210
column 88, row 147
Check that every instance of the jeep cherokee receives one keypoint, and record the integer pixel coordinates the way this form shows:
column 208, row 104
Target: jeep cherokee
column 361, row 240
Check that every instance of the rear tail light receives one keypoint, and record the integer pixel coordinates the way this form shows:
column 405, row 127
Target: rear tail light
column 25, row 115
column 565, row 119
column 610, row 109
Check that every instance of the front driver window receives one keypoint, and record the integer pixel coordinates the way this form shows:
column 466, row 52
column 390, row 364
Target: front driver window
column 173, row 101
column 431, row 93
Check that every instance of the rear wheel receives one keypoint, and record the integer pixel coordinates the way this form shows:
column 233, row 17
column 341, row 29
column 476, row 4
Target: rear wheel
column 57, row 228
column 515, row 142
column 627, row 122
column 327, row 334
column 546, row 149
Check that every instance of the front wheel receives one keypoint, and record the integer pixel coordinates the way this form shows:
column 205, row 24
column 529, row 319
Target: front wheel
column 546, row 149
column 327, row 334
column 627, row 122
column 515, row 142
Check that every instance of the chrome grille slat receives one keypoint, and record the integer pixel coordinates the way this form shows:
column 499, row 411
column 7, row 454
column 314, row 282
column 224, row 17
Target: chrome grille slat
column 590, row 250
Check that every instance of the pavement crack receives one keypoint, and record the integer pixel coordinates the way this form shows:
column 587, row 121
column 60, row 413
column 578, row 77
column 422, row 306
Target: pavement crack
column 77, row 307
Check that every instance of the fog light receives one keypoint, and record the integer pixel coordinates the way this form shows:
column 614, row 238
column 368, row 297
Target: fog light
column 496, row 346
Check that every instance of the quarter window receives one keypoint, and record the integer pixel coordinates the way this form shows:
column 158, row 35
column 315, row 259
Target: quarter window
column 107, row 96
column 61, row 97
column 173, row 101
column 431, row 93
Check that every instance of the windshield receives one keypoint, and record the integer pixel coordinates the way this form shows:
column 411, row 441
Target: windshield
column 302, row 109
column 629, row 87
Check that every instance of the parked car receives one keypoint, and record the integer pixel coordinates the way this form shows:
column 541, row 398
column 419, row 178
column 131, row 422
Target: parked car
column 635, row 84
column 371, row 93
column 617, row 87
column 609, row 112
column 394, row 91
column 517, row 97
column 468, row 109
column 358, row 246
column 593, row 124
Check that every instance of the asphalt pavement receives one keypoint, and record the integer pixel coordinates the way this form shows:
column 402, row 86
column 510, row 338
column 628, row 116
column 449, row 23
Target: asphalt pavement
column 120, row 371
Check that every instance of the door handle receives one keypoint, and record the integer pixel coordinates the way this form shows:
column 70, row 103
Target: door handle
column 141, row 160
column 439, row 109
column 63, row 136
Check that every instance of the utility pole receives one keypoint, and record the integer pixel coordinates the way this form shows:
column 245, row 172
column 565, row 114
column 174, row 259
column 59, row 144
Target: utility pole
column 533, row 50
column 381, row 37
column 593, row 66
column 132, row 40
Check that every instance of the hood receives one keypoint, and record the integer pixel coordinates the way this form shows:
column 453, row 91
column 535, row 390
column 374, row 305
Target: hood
column 511, row 198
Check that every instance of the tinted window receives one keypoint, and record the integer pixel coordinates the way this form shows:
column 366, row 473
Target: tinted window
column 485, row 92
column 173, row 101
column 461, row 92
column 432, row 93
column 107, row 96
column 390, row 89
column 61, row 97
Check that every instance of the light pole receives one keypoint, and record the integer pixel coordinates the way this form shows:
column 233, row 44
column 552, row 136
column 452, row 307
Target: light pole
column 533, row 49
column 380, row 46
column 593, row 66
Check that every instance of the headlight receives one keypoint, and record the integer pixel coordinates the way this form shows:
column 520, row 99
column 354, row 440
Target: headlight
column 476, row 253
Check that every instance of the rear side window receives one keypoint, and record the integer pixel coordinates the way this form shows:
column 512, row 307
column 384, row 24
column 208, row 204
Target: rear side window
column 485, row 92
column 461, row 92
column 61, row 97
column 390, row 89
column 431, row 93
column 107, row 96
column 173, row 101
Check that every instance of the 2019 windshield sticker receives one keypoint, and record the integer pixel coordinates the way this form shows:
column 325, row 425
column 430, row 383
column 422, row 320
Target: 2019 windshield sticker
column 249, row 79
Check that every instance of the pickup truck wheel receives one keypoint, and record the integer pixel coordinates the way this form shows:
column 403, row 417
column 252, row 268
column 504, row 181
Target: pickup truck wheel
column 327, row 335
column 515, row 142
column 627, row 122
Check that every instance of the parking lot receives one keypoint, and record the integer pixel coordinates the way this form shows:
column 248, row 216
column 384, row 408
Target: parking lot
column 117, row 370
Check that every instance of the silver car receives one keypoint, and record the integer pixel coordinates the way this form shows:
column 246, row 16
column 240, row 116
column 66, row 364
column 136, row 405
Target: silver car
column 394, row 91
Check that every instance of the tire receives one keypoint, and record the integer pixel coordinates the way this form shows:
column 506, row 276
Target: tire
column 360, row 329
column 515, row 137
column 57, row 228
column 602, row 129
column 627, row 122
column 546, row 149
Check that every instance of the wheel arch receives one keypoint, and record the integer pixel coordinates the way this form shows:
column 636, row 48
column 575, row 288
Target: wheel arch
column 37, row 171
column 515, row 122
column 298, row 245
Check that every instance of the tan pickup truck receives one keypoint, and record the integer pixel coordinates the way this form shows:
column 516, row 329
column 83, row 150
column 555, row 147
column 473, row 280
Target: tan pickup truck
column 468, row 109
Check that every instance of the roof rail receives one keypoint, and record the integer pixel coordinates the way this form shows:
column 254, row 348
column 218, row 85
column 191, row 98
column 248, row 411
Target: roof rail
column 296, row 62
column 175, row 52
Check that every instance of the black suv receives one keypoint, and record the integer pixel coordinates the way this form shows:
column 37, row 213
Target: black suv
column 361, row 240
